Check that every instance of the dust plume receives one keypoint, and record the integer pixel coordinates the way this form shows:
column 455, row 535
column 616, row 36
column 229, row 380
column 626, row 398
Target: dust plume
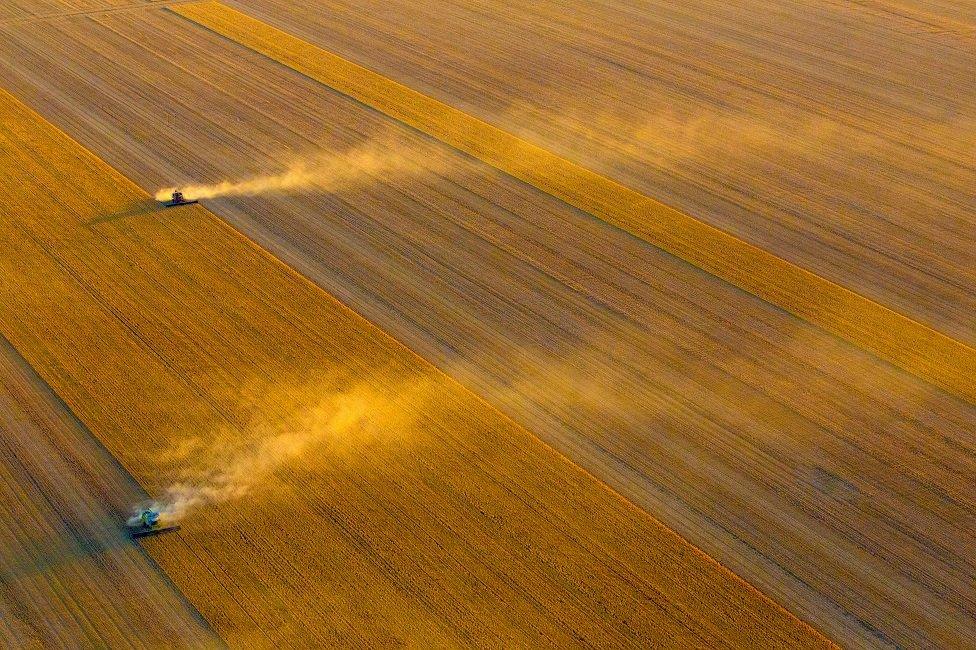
column 328, row 171
column 669, row 135
column 232, row 465
column 235, row 477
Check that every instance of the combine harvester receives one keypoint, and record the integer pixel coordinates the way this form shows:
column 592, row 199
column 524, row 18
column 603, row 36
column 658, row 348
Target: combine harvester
column 178, row 199
column 147, row 522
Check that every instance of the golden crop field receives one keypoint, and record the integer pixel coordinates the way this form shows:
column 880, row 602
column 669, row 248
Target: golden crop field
column 911, row 345
column 835, row 136
column 68, row 572
column 353, row 493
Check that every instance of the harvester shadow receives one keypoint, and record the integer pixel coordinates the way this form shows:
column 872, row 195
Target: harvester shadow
column 141, row 208
column 48, row 555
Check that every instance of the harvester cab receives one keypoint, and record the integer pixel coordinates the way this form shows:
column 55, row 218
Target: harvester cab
column 178, row 199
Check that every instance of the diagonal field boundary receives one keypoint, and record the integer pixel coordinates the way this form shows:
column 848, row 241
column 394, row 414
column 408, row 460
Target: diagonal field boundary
column 908, row 344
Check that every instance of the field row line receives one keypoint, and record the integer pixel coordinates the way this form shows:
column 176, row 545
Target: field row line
column 906, row 343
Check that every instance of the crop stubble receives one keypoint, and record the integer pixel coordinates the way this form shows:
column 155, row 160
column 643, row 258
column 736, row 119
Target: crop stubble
column 425, row 516
column 948, row 363
column 69, row 574
column 809, row 467
column 837, row 136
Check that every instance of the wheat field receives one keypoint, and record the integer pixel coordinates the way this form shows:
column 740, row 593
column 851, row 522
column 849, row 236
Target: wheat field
column 68, row 571
column 341, row 474
column 908, row 344
column 835, row 483
column 839, row 136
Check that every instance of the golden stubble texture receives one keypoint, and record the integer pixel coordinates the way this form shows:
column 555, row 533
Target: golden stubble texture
column 913, row 346
column 395, row 507
column 69, row 573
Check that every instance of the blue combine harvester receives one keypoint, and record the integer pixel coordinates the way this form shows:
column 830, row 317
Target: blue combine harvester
column 147, row 522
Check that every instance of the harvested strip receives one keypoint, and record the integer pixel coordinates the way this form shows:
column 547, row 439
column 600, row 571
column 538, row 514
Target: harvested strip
column 373, row 499
column 904, row 342
column 69, row 575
